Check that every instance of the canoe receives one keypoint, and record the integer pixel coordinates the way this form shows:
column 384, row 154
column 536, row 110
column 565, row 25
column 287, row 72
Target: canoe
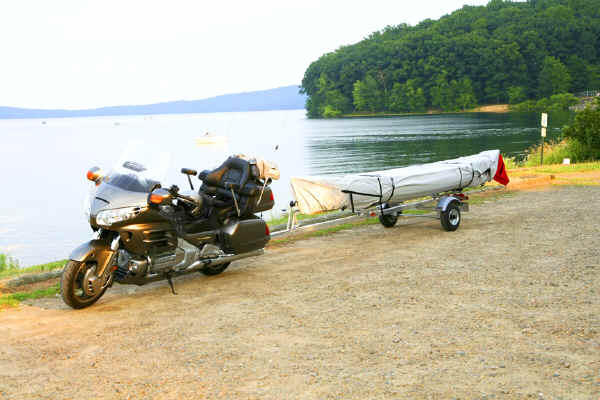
column 315, row 194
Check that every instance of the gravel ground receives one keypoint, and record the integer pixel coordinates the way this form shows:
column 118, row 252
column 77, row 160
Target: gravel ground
column 506, row 307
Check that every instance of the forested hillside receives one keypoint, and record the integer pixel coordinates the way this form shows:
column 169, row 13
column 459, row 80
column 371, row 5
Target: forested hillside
column 502, row 52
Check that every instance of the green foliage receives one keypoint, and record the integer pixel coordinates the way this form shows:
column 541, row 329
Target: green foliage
column 555, row 103
column 555, row 153
column 331, row 112
column 554, row 77
column 505, row 51
column 367, row 95
column 465, row 96
column 328, row 101
column 585, row 130
column 15, row 271
column 516, row 94
column 8, row 263
column 14, row 298
column 406, row 98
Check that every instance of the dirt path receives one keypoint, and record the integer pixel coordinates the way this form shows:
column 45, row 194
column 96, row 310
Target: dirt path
column 506, row 307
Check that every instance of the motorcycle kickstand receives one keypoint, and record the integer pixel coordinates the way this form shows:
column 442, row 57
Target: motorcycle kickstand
column 171, row 283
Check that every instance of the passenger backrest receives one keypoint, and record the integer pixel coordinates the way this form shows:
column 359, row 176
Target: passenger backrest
column 233, row 170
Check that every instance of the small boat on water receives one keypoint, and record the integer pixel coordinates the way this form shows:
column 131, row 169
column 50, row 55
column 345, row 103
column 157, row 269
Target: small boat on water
column 211, row 139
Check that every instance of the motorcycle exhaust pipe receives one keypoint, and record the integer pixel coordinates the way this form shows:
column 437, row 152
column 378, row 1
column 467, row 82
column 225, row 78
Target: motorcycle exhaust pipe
column 223, row 260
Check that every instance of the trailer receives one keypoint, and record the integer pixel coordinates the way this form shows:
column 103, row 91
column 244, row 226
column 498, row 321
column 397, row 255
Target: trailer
column 437, row 187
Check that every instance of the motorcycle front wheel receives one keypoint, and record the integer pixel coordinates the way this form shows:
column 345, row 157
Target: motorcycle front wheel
column 77, row 285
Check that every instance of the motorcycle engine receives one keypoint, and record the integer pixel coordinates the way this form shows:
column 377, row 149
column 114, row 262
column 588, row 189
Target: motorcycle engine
column 127, row 264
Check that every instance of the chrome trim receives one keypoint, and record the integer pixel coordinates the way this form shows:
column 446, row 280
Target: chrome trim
column 114, row 245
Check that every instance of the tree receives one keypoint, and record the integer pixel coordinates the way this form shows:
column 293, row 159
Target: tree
column 330, row 112
column 465, row 96
column 417, row 101
column 554, row 77
column 358, row 97
column 398, row 100
column 367, row 95
column 585, row 129
column 516, row 94
column 336, row 104
column 441, row 93
column 407, row 97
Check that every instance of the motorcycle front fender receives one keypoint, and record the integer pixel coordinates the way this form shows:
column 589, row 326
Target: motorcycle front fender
column 97, row 250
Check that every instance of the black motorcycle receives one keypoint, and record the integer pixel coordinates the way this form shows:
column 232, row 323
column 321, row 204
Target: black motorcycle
column 144, row 232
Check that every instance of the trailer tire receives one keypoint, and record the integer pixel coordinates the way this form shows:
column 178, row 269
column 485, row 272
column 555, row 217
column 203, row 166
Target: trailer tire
column 450, row 218
column 389, row 220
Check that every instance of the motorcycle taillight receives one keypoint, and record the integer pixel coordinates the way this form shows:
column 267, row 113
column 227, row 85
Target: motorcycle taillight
column 267, row 231
column 272, row 197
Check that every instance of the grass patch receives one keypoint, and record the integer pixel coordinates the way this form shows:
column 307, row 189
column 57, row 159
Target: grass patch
column 554, row 154
column 555, row 169
column 14, row 299
column 12, row 272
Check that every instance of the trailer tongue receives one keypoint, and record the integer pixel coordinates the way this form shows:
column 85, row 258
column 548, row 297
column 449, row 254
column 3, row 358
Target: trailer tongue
column 384, row 191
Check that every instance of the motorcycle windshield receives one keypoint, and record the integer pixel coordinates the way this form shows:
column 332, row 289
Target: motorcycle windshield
column 131, row 176
column 127, row 184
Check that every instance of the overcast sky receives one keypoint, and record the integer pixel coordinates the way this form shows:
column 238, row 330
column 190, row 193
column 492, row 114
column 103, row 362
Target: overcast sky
column 82, row 54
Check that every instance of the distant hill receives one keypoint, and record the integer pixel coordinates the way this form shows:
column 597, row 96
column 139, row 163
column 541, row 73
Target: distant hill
column 283, row 98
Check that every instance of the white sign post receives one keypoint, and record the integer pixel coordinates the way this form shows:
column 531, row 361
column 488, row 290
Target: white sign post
column 544, row 120
column 544, row 126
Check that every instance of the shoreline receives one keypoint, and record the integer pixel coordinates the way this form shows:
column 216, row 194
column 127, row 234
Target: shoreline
column 490, row 108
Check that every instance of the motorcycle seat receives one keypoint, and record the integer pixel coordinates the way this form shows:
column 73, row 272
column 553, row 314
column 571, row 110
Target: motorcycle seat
column 234, row 178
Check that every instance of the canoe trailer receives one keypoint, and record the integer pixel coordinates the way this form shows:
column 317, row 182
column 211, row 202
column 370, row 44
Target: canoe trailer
column 447, row 207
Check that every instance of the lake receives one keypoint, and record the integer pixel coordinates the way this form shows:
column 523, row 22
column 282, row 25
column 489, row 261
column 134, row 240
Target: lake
column 43, row 162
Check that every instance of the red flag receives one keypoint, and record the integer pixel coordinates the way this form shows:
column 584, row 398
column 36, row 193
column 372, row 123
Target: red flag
column 501, row 175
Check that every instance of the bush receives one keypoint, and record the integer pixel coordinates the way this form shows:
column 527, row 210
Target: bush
column 526, row 106
column 8, row 263
column 555, row 103
column 331, row 112
column 516, row 94
column 585, row 130
column 554, row 153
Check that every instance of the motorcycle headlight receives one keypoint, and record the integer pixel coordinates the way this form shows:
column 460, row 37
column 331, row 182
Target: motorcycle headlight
column 109, row 217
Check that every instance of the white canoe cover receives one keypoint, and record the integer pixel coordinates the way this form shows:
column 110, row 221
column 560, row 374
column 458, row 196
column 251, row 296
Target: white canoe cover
column 316, row 194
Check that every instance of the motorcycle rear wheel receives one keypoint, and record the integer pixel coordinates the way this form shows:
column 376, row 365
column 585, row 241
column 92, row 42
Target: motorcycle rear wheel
column 71, row 285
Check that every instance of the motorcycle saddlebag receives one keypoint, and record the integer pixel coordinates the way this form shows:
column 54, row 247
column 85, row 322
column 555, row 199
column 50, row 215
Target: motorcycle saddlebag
column 243, row 236
column 258, row 204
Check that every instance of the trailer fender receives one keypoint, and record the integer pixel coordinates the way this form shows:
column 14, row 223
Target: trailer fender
column 445, row 201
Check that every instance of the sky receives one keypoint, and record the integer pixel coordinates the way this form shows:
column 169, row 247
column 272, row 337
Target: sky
column 83, row 54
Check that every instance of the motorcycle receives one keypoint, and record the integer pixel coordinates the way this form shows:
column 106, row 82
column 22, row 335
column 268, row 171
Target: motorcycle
column 144, row 232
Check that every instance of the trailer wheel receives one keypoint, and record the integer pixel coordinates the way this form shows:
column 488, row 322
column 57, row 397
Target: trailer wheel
column 389, row 220
column 450, row 218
